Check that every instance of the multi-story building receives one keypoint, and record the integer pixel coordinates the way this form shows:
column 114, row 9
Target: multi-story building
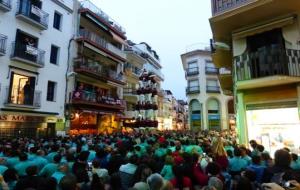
column 153, row 65
column 133, row 70
column 33, row 65
column 258, row 41
column 209, row 108
column 182, row 115
column 96, row 79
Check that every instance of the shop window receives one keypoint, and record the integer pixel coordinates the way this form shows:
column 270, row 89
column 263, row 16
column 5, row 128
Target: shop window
column 213, row 110
column 21, row 90
column 51, row 91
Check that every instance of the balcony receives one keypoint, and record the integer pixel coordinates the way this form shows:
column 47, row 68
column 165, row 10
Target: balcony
column 211, row 70
column 193, row 90
column 221, row 6
column 213, row 89
column 16, row 98
column 88, row 5
column 32, row 14
column 226, row 81
column 268, row 66
column 129, row 92
column 192, row 71
column 88, row 98
column 98, row 71
column 28, row 54
column 130, row 69
column 2, row 44
column 5, row 5
column 102, row 44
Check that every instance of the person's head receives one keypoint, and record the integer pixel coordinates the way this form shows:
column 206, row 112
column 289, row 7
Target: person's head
column 10, row 175
column 282, row 158
column 256, row 160
column 229, row 153
column 237, row 152
column 218, row 147
column 57, row 158
column 243, row 151
column 23, row 156
column 253, row 144
column 68, row 182
column 244, row 184
column 96, row 164
column 213, row 169
column 133, row 159
column 216, row 183
column 63, row 167
column 41, row 153
column 155, row 181
column 249, row 174
column 294, row 157
column 169, row 160
column 83, row 156
column 32, row 170
column 260, row 148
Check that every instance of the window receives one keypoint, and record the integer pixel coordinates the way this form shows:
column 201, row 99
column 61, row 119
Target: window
column 208, row 61
column 192, row 64
column 22, row 89
column 54, row 54
column 51, row 91
column 193, row 85
column 212, row 82
column 57, row 20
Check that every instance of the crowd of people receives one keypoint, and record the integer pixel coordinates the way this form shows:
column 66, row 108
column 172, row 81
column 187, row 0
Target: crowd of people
column 145, row 161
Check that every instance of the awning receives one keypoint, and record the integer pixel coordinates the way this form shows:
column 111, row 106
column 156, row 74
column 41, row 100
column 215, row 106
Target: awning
column 264, row 26
column 226, row 83
column 118, row 38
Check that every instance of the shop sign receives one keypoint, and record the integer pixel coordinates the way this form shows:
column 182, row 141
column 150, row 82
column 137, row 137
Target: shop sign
column 22, row 118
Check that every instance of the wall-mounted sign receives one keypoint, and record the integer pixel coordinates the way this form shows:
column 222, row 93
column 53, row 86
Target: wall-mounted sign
column 22, row 118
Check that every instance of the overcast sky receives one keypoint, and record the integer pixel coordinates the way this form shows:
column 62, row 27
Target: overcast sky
column 170, row 27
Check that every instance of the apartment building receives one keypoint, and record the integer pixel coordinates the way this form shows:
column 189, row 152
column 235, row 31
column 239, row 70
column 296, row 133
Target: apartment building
column 96, row 79
column 209, row 107
column 33, row 64
column 258, row 43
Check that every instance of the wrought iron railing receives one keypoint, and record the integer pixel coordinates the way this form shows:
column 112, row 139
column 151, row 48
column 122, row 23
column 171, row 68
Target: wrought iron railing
column 6, row 3
column 193, row 89
column 33, row 12
column 267, row 61
column 211, row 70
column 221, row 6
column 192, row 71
column 212, row 89
column 29, row 53
column 17, row 96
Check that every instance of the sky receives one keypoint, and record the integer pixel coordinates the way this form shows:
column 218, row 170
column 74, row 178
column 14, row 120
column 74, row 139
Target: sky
column 170, row 27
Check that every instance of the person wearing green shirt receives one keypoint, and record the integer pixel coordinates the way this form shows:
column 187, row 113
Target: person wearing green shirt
column 49, row 169
column 23, row 164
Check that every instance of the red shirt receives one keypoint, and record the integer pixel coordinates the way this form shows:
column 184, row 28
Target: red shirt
column 186, row 182
column 222, row 161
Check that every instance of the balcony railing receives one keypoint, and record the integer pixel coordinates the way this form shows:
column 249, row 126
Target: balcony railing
column 101, row 42
column 192, row 71
column 224, row 71
column 96, row 70
column 92, row 98
column 5, row 5
column 2, row 44
column 89, row 5
column 129, row 91
column 267, row 61
column 18, row 98
column 221, row 6
column 135, row 70
column 32, row 14
column 215, row 89
column 211, row 70
column 28, row 54
column 193, row 90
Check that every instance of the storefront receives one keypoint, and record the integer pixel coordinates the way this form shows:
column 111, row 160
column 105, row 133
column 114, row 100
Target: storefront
column 274, row 128
column 93, row 122
column 20, row 125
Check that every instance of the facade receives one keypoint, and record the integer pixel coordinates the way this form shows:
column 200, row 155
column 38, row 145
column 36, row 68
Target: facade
column 33, row 66
column 209, row 107
column 154, row 66
column 182, row 113
column 257, row 42
column 133, row 70
column 96, row 78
